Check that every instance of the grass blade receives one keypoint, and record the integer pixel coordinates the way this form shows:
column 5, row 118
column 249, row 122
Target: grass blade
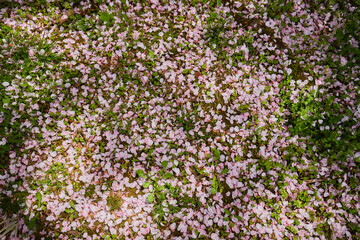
column 8, row 228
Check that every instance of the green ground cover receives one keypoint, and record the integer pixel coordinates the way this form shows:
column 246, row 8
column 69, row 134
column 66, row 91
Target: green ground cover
column 187, row 119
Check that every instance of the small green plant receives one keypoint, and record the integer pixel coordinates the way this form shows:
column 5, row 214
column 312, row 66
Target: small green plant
column 90, row 191
column 324, row 229
column 73, row 214
column 214, row 186
column 155, row 78
column 353, row 227
column 106, row 18
column 51, row 179
column 187, row 120
column 162, row 193
column 276, row 8
column 114, row 202
column 216, row 29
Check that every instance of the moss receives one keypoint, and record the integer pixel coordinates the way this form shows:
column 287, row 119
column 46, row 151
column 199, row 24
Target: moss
column 90, row 191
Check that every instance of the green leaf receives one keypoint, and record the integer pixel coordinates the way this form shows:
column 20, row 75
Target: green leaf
column 168, row 175
column 217, row 154
column 213, row 190
column 218, row 3
column 39, row 197
column 6, row 100
column 283, row 24
column 32, row 222
column 140, row 172
column 69, row 210
column 151, row 54
column 284, row 193
column 227, row 211
column 164, row 164
column 151, row 198
column 295, row 19
column 213, row 15
column 214, row 182
column 146, row 184
column 72, row 204
column 339, row 35
column 288, row 6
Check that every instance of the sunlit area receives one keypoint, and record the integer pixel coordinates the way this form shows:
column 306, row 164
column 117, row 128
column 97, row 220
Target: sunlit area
column 186, row 119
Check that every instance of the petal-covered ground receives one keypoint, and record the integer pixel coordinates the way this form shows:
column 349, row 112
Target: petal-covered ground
column 179, row 119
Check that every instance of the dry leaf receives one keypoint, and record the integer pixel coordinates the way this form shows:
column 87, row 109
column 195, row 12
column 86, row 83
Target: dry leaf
column 29, row 16
column 198, row 74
